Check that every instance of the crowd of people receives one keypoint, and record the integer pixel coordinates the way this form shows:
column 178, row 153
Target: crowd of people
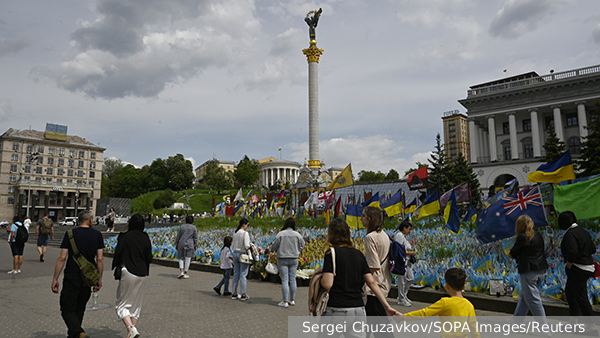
column 358, row 283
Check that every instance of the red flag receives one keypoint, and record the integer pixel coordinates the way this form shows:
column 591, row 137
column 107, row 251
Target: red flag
column 417, row 179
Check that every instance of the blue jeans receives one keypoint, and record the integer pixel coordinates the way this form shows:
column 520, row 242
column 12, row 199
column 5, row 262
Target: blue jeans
column 345, row 316
column 240, row 272
column 530, row 298
column 225, row 280
column 287, row 271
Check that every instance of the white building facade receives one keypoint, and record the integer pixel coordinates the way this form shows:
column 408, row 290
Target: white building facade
column 509, row 120
column 273, row 170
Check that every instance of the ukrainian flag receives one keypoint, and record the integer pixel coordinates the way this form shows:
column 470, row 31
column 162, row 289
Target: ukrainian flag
column 451, row 215
column 555, row 171
column 372, row 202
column 411, row 207
column 393, row 206
column 431, row 205
column 353, row 213
column 471, row 216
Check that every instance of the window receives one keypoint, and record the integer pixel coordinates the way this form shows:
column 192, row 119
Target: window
column 12, row 179
column 79, row 182
column 79, row 173
column 27, row 168
column 40, row 160
column 11, row 200
column 71, row 163
column 15, row 146
column 11, row 189
column 40, row 149
column 92, row 155
column 92, row 174
column 527, row 125
column 38, row 170
column 80, row 164
column 70, row 172
column 571, row 120
column 81, row 154
column 92, row 186
column 528, row 150
column 71, row 152
column 51, row 150
column 507, row 154
column 38, row 180
column 13, row 168
column 51, row 160
column 505, row 128
column 60, row 171
column 574, row 145
column 49, row 180
column 69, row 182
column 61, row 161
column 49, row 171
column 14, row 157
column 549, row 122
column 61, row 151
column 92, row 165
column 29, row 148
column 59, row 181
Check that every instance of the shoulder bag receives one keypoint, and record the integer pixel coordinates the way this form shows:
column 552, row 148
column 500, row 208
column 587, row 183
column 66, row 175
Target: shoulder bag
column 89, row 272
column 271, row 268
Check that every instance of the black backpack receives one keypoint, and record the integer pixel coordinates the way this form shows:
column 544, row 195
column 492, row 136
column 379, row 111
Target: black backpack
column 21, row 236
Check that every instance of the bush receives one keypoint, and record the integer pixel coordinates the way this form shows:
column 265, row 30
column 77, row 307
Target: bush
column 164, row 200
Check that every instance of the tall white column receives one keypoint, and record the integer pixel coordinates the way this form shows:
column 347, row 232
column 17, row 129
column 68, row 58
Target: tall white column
column 492, row 138
column 474, row 144
column 558, row 128
column 312, row 57
column 512, row 129
column 481, row 146
column 535, row 133
column 486, row 143
column 581, row 119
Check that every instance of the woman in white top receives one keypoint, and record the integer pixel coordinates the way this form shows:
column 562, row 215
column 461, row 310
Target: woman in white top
column 241, row 244
column 405, row 281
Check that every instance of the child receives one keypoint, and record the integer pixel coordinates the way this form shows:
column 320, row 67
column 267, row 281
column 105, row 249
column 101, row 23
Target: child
column 456, row 305
column 226, row 259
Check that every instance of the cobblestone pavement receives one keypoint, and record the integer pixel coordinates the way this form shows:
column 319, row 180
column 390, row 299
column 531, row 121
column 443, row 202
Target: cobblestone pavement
column 172, row 307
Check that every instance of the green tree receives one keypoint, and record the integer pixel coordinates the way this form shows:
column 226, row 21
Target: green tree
column 370, row 176
column 180, row 172
column 144, row 205
column 111, row 167
column 164, row 200
column 216, row 178
column 461, row 172
column 157, row 175
column 128, row 183
column 589, row 160
column 554, row 147
column 439, row 169
column 392, row 175
column 247, row 172
column 419, row 166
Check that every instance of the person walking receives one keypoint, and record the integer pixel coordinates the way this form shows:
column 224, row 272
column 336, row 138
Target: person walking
column 288, row 244
column 405, row 281
column 530, row 253
column 16, row 245
column 133, row 255
column 226, row 260
column 44, row 231
column 110, row 219
column 75, row 294
column 186, row 244
column 240, row 246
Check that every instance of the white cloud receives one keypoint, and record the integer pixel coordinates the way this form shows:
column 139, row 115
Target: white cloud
column 13, row 46
column 518, row 17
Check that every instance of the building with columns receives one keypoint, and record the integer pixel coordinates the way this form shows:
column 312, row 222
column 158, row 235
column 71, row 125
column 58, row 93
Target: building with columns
column 273, row 170
column 509, row 120
column 48, row 172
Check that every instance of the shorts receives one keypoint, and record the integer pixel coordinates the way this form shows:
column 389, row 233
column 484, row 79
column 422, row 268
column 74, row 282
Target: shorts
column 17, row 248
column 43, row 240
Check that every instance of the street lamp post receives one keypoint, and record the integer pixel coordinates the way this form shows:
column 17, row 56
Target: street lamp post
column 32, row 158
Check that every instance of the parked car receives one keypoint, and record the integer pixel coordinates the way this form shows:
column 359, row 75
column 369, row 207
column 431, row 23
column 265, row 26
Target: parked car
column 4, row 224
column 68, row 221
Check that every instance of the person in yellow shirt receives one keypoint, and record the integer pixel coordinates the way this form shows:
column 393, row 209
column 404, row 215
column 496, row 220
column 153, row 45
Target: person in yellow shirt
column 454, row 306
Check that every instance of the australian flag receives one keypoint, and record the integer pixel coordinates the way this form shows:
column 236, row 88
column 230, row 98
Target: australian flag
column 498, row 220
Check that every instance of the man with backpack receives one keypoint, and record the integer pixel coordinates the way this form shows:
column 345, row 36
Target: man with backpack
column 18, row 237
column 44, row 231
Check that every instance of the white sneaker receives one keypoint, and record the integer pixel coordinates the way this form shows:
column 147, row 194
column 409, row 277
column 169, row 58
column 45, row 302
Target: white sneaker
column 404, row 303
column 292, row 303
column 12, row 272
column 283, row 304
column 133, row 332
column 186, row 276
column 18, row 271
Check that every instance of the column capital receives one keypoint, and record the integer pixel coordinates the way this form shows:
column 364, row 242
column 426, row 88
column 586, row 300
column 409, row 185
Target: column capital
column 556, row 106
column 312, row 54
column 471, row 119
column 531, row 110
column 511, row 113
column 492, row 116
column 579, row 102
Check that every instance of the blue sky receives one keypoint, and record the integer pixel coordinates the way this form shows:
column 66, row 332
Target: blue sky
column 226, row 78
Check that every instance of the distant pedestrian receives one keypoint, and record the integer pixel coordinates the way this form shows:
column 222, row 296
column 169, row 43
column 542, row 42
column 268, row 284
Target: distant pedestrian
column 27, row 223
column 133, row 256
column 16, row 245
column 226, row 266
column 110, row 225
column 288, row 244
column 405, row 281
column 240, row 246
column 186, row 244
column 75, row 294
column 44, row 231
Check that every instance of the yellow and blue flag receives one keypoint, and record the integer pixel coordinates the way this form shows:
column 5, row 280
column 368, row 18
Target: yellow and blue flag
column 411, row 207
column 393, row 206
column 344, row 179
column 353, row 213
column 471, row 216
column 451, row 215
column 372, row 202
column 431, row 205
column 555, row 171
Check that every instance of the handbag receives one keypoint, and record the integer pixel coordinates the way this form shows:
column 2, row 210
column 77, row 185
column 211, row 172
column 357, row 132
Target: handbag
column 244, row 258
column 271, row 268
column 596, row 269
